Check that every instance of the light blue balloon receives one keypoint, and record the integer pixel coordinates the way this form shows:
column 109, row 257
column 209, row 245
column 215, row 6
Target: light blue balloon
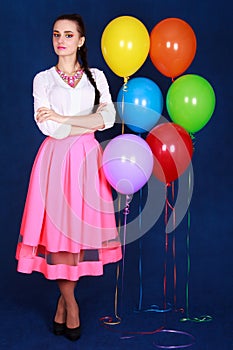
column 140, row 104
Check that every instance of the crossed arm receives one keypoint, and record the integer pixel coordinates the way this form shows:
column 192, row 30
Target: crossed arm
column 79, row 124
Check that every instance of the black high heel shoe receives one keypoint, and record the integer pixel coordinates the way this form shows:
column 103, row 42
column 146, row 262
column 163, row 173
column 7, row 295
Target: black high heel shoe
column 59, row 328
column 73, row 333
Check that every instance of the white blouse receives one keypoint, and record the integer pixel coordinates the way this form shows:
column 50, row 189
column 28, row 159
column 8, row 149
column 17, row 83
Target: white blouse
column 49, row 90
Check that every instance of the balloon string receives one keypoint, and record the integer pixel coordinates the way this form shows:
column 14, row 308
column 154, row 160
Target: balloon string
column 202, row 318
column 129, row 334
column 167, row 204
column 165, row 273
column 132, row 334
column 125, row 212
column 119, row 214
column 191, row 340
column 116, row 294
column 153, row 307
column 140, row 250
column 109, row 320
column 125, row 88
column 122, row 111
column 173, row 191
column 174, row 269
column 140, row 277
column 140, row 253
column 174, row 248
column 188, row 264
column 174, row 253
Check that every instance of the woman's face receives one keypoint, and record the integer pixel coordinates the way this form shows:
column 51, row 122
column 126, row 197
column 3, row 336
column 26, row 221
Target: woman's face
column 66, row 38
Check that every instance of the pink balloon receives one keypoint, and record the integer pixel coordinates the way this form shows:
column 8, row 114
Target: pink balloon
column 127, row 163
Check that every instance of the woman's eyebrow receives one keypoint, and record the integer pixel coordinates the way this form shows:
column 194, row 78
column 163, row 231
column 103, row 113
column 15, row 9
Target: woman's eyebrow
column 66, row 31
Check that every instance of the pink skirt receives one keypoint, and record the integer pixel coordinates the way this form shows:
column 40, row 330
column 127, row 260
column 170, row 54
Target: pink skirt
column 68, row 228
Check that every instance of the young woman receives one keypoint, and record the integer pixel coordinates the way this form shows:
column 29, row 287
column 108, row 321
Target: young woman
column 68, row 227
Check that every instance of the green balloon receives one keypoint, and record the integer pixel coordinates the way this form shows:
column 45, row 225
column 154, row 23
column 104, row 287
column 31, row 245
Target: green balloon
column 190, row 102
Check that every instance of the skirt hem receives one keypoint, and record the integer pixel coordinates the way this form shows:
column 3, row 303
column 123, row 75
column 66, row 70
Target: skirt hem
column 68, row 272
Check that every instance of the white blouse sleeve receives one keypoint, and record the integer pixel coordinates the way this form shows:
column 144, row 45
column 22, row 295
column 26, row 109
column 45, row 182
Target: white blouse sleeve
column 49, row 127
column 108, row 112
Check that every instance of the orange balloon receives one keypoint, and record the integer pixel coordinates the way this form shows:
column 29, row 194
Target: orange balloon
column 172, row 46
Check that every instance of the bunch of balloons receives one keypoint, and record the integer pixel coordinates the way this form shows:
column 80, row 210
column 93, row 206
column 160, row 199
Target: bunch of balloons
column 190, row 101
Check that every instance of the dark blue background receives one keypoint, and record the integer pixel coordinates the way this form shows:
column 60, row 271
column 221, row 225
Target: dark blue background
column 28, row 302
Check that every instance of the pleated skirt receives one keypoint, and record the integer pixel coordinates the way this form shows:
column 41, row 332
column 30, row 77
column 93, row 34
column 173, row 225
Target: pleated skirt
column 68, row 228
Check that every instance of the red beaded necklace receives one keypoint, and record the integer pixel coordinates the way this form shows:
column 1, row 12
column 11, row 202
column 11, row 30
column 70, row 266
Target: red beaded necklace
column 70, row 80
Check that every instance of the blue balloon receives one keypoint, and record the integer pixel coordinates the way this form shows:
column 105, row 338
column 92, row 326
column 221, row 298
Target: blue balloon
column 140, row 104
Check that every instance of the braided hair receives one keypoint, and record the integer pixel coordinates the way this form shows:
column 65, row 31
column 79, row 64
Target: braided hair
column 82, row 51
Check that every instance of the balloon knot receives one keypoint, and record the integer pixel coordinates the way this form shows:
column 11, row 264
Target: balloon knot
column 125, row 84
column 192, row 136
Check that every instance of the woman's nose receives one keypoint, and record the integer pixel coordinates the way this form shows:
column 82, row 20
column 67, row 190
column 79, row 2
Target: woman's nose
column 60, row 39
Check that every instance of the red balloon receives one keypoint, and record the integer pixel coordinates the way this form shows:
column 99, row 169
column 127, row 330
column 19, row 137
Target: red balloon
column 172, row 148
column 172, row 46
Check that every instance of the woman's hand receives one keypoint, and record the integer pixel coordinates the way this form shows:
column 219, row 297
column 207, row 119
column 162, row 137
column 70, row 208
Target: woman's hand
column 44, row 114
column 101, row 107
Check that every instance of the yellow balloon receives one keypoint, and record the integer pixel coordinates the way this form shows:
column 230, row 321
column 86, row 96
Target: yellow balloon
column 125, row 45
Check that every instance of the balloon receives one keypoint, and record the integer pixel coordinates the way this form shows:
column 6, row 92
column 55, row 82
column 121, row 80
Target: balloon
column 140, row 105
column 190, row 102
column 127, row 163
column 172, row 46
column 125, row 45
column 172, row 148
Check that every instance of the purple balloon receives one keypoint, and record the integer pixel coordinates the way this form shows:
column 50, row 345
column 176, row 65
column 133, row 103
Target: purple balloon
column 127, row 163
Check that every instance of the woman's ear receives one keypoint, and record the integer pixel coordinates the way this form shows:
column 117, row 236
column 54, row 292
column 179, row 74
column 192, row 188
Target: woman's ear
column 81, row 41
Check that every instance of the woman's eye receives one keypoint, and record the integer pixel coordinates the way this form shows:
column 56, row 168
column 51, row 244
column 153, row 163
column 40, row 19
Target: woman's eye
column 67, row 35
